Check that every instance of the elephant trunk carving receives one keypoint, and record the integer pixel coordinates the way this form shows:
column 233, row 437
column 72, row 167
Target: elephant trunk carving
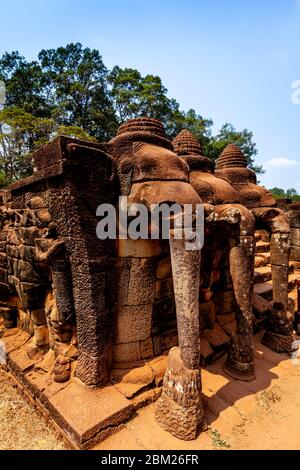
column 180, row 409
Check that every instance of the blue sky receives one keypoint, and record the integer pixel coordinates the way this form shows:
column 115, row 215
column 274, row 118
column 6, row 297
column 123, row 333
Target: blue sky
column 231, row 60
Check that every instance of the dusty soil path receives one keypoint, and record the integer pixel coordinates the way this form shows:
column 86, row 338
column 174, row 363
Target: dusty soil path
column 264, row 414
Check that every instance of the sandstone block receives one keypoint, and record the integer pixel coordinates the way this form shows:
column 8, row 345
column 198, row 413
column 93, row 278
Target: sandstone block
column 164, row 288
column 139, row 248
column 164, row 269
column 3, row 260
column 133, row 323
column 141, row 289
column 38, row 317
column 41, row 335
column 147, row 349
column 129, row 352
column 26, row 272
column 217, row 337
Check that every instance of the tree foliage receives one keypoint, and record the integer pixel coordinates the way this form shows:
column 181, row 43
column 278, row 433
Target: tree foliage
column 290, row 193
column 229, row 135
column 20, row 134
column 76, row 84
column 69, row 90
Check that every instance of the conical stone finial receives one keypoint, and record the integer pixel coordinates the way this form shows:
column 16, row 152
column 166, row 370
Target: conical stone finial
column 185, row 143
column 144, row 125
column 187, row 146
column 231, row 157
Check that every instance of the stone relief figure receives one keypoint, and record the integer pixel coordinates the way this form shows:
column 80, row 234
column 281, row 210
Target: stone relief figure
column 36, row 290
column 226, row 219
column 150, row 172
column 59, row 304
column 231, row 166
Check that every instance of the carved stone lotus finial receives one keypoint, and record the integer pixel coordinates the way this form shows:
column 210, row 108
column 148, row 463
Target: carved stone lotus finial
column 185, row 143
column 231, row 157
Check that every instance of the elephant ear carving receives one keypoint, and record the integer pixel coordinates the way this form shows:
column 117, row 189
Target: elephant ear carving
column 124, row 171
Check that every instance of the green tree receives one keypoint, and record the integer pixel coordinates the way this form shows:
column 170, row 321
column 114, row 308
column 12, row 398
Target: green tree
column 20, row 134
column 25, row 84
column 229, row 135
column 69, row 90
column 68, row 84
column 278, row 192
column 75, row 79
column 136, row 96
column 291, row 192
column 197, row 124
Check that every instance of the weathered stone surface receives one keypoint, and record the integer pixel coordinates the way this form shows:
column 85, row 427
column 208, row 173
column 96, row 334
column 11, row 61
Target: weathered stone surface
column 39, row 317
column 279, row 248
column 295, row 253
column 3, row 260
column 3, row 276
column 139, row 248
column 106, row 308
column 207, row 312
column 216, row 337
column 225, row 319
column 36, row 203
column 128, row 352
column 133, row 323
column 62, row 369
column 20, row 360
column 147, row 348
column 206, row 350
column 14, row 341
column 103, row 408
column 27, row 253
column 186, row 266
column 118, row 279
column 26, row 272
column 164, row 269
column 279, row 331
column 164, row 315
column 159, row 366
column 280, row 284
column 141, row 282
column 261, row 307
column 168, row 340
column 41, row 335
column 224, row 302
column 129, row 382
column 180, row 410
column 295, row 236
column 164, row 288
column 92, row 370
column 231, row 328
column 10, row 317
column 31, row 295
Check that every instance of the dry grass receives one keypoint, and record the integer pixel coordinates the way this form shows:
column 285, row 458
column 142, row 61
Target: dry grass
column 21, row 426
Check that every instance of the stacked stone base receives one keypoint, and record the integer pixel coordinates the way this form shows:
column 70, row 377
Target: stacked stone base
column 179, row 410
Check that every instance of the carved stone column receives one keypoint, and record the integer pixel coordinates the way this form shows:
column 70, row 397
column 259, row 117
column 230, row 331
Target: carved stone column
column 180, row 409
column 239, row 363
column 279, row 330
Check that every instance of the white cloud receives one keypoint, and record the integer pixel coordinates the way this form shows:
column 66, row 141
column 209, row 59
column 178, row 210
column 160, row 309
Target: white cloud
column 282, row 162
